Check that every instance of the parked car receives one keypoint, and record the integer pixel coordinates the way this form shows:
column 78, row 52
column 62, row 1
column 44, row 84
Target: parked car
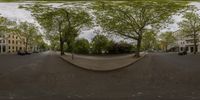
column 21, row 52
column 35, row 51
column 182, row 53
column 27, row 53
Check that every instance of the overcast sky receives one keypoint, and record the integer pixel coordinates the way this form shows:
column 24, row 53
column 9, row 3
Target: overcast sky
column 11, row 11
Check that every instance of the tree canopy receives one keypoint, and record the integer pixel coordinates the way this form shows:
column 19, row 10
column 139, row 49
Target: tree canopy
column 27, row 32
column 150, row 40
column 130, row 19
column 190, row 26
column 167, row 38
column 82, row 46
column 100, row 44
column 64, row 22
column 6, row 25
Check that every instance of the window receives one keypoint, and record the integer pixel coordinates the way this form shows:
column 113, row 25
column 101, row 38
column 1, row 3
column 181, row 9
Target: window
column 8, row 41
column 16, row 42
column 4, row 48
column 187, row 48
column 181, row 48
column 13, row 41
column 13, row 47
column 8, row 47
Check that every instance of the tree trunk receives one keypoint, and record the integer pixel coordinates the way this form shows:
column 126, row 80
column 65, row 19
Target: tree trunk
column 26, row 47
column 195, row 44
column 137, row 54
column 61, row 47
column 195, row 47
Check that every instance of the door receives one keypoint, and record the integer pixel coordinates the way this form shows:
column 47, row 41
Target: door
column 191, row 49
column 4, row 48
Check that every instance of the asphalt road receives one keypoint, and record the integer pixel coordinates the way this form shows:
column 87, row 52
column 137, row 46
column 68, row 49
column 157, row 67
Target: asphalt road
column 45, row 76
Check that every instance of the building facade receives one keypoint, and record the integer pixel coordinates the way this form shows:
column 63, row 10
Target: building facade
column 11, row 43
column 186, row 43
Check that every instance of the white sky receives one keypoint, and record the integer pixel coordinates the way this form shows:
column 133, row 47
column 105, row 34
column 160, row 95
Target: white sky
column 178, row 18
column 11, row 11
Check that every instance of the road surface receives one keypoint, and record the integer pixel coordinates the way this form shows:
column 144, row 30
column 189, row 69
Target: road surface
column 45, row 76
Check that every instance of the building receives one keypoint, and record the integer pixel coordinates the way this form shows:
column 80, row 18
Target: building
column 11, row 43
column 186, row 43
column 2, row 44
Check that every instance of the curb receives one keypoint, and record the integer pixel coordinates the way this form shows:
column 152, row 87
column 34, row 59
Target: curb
column 109, row 70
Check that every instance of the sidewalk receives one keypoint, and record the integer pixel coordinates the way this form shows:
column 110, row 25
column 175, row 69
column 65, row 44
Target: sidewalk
column 101, row 63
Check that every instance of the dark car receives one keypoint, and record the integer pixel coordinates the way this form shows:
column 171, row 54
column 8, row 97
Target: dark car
column 21, row 52
column 35, row 51
column 182, row 53
column 27, row 53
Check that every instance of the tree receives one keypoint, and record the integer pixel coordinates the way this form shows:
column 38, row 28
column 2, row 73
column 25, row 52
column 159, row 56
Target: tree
column 64, row 22
column 120, row 47
column 149, row 41
column 130, row 19
column 39, row 43
column 82, row 46
column 190, row 26
column 167, row 38
column 99, row 44
column 54, row 41
column 6, row 25
column 2, row 24
column 27, row 32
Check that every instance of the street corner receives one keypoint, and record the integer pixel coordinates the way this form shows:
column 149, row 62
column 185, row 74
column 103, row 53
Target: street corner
column 105, row 64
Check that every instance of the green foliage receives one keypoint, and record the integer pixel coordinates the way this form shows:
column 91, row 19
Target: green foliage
column 166, row 39
column 149, row 41
column 190, row 26
column 100, row 44
column 120, row 48
column 39, row 42
column 6, row 25
column 28, row 31
column 54, row 41
column 131, row 19
column 64, row 22
column 82, row 46
column 3, row 27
